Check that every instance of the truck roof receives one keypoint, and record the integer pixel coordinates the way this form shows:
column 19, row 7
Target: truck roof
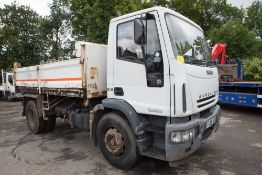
column 159, row 9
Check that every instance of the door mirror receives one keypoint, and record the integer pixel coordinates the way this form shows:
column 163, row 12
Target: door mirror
column 139, row 36
column 209, row 44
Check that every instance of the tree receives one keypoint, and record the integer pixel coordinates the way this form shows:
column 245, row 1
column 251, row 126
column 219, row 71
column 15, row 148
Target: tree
column 20, row 36
column 163, row 3
column 189, row 8
column 207, row 13
column 91, row 18
column 79, row 17
column 57, row 29
column 253, row 69
column 98, row 20
column 10, row 47
column 254, row 18
column 127, row 6
column 240, row 41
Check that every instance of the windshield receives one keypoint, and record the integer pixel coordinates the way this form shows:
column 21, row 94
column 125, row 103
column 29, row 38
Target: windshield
column 188, row 41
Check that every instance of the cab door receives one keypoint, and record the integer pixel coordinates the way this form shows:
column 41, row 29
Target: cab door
column 141, row 72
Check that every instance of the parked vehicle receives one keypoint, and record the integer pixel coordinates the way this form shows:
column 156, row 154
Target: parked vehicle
column 6, row 84
column 238, row 91
column 149, row 92
column 233, row 89
column 7, row 88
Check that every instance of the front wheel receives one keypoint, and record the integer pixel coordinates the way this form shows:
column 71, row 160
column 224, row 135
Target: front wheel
column 117, row 141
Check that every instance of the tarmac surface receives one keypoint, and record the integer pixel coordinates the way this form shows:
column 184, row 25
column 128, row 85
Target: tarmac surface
column 235, row 149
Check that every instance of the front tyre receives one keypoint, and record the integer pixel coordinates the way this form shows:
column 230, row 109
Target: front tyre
column 117, row 141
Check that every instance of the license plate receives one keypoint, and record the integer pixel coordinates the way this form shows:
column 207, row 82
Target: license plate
column 211, row 121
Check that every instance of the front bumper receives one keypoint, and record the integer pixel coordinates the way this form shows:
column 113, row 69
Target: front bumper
column 177, row 151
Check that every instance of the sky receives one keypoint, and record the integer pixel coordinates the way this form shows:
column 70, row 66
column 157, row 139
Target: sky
column 239, row 3
column 41, row 6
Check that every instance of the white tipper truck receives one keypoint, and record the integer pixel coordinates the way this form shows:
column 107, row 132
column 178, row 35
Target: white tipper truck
column 6, row 86
column 152, row 91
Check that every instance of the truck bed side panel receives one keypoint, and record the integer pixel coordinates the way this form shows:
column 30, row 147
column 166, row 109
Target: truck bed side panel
column 64, row 74
column 68, row 75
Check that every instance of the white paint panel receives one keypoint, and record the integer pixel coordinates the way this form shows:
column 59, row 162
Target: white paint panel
column 202, row 85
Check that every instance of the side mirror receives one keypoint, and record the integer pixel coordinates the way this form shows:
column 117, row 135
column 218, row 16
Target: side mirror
column 139, row 36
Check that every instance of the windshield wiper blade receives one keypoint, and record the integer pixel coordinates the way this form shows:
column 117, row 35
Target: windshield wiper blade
column 193, row 60
column 210, row 63
column 198, row 62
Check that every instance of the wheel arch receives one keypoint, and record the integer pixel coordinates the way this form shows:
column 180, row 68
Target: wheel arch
column 38, row 100
column 120, row 107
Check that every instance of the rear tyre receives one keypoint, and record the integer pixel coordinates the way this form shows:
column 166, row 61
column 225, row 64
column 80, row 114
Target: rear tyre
column 117, row 141
column 50, row 123
column 35, row 123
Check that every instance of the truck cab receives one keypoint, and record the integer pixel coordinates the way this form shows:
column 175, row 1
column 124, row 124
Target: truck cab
column 7, row 86
column 150, row 75
column 159, row 64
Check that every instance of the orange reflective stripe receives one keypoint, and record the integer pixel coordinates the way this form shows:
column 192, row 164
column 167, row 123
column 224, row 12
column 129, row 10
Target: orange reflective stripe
column 61, row 79
column 52, row 79
column 27, row 80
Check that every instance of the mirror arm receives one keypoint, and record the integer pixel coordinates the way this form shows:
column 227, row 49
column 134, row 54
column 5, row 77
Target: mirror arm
column 144, row 38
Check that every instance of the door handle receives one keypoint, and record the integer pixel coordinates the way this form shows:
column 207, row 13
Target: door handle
column 118, row 91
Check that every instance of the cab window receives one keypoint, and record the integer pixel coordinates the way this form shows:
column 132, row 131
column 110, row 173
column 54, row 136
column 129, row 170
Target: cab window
column 127, row 49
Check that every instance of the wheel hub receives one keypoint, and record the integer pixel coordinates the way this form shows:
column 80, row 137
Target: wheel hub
column 114, row 141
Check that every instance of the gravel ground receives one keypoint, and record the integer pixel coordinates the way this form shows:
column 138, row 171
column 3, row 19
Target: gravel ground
column 235, row 149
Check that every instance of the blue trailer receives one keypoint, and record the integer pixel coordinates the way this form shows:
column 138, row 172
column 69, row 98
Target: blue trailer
column 241, row 93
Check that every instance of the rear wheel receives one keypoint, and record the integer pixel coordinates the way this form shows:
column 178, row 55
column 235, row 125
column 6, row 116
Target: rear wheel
column 117, row 141
column 50, row 123
column 35, row 123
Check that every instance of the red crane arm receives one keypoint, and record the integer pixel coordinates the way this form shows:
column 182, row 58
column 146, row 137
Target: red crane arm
column 219, row 50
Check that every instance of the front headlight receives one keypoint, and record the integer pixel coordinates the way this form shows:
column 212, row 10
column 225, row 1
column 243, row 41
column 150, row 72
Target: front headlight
column 183, row 136
column 176, row 137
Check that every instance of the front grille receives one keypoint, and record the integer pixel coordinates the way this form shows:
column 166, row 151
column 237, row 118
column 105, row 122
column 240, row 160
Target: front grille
column 205, row 101
column 202, row 105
